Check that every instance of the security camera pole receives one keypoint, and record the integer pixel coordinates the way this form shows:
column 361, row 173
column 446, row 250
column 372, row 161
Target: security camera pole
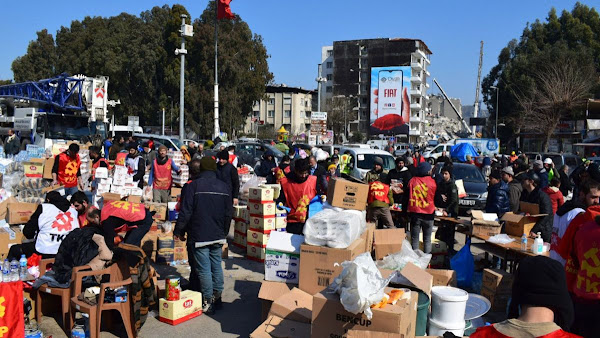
column 186, row 30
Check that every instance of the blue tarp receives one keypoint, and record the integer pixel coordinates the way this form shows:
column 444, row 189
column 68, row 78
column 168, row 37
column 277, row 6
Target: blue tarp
column 460, row 151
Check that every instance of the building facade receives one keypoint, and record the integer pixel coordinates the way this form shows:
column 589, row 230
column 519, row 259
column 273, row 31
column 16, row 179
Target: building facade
column 438, row 107
column 326, row 73
column 352, row 62
column 285, row 106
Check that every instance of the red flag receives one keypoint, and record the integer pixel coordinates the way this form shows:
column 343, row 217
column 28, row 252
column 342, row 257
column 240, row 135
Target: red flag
column 12, row 323
column 223, row 10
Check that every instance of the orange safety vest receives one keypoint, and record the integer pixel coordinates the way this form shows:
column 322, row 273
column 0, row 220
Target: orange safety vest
column 421, row 193
column 298, row 197
column 97, row 165
column 587, row 285
column 378, row 192
column 513, row 158
column 67, row 170
column 127, row 211
column 232, row 158
column 163, row 177
column 121, row 157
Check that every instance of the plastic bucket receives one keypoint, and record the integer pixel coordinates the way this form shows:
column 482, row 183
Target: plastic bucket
column 422, row 311
column 435, row 328
column 448, row 304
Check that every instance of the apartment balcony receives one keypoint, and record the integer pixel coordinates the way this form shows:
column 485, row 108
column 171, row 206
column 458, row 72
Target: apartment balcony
column 426, row 85
column 416, row 65
column 415, row 92
column 415, row 106
column 427, row 73
column 420, row 53
column 416, row 79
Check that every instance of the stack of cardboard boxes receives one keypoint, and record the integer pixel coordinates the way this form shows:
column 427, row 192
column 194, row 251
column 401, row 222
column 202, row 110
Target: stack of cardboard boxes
column 183, row 177
column 261, row 211
column 240, row 226
column 497, row 288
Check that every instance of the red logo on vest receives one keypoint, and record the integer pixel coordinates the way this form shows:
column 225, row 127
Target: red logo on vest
column 63, row 221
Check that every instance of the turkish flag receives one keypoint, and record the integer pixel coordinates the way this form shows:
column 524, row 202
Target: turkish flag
column 223, row 10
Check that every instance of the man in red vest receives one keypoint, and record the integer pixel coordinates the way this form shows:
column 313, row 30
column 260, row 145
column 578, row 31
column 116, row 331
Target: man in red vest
column 66, row 170
column 80, row 202
column 161, row 176
column 380, row 196
column 421, row 189
column 123, row 216
column 299, row 188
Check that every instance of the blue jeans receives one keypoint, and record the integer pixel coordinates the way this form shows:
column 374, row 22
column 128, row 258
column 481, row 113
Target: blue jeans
column 417, row 223
column 208, row 268
column 71, row 191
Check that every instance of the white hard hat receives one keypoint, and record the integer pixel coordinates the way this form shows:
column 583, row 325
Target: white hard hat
column 548, row 160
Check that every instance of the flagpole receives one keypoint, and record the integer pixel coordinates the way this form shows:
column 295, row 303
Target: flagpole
column 216, row 131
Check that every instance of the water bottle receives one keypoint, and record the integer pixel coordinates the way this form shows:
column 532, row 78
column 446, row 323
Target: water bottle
column 14, row 270
column 524, row 242
column 78, row 332
column 23, row 267
column 6, row 271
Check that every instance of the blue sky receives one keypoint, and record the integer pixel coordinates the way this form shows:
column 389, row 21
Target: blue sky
column 295, row 30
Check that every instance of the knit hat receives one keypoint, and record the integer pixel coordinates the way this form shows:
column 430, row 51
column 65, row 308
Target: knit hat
column 423, row 169
column 541, row 281
column 538, row 164
column 331, row 166
column 131, row 146
column 508, row 170
column 223, row 155
column 496, row 174
column 378, row 160
column 208, row 164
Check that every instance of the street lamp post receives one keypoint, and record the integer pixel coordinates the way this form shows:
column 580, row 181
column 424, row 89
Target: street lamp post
column 319, row 80
column 496, row 123
column 186, row 30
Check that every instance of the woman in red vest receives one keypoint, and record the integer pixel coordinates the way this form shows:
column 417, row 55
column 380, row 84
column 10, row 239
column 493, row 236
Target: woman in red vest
column 421, row 189
column 299, row 188
column 66, row 170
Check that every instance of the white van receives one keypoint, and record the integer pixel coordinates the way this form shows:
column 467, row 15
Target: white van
column 363, row 159
column 436, row 152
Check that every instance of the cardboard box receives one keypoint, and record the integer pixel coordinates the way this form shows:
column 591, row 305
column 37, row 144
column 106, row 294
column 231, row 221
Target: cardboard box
column 178, row 311
column 442, row 277
column 497, row 280
column 180, row 254
column 283, row 328
column 160, row 210
column 53, row 188
column 369, row 236
column 19, row 212
column 348, row 195
column 317, row 268
column 8, row 237
column 261, row 194
column 262, row 223
column 240, row 212
column 517, row 224
column 269, row 291
column 134, row 199
column 388, row 241
column 175, row 192
column 239, row 239
column 410, row 276
column 499, row 301
column 101, row 173
column 48, row 164
column 280, row 221
column 255, row 253
column 330, row 319
column 34, row 167
column 282, row 258
column 295, row 305
column 262, row 209
column 258, row 238
column 111, row 197
column 240, row 226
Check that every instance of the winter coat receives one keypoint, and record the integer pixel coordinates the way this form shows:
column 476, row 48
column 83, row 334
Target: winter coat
column 12, row 146
column 543, row 174
column 544, row 224
column 403, row 175
column 565, row 184
column 514, row 195
column 498, row 200
column 77, row 249
column 228, row 174
column 373, row 176
column 206, row 209
column 444, row 159
column 556, row 197
column 450, row 190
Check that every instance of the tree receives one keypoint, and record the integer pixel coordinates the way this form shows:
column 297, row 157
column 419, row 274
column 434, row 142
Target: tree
column 5, row 82
column 39, row 62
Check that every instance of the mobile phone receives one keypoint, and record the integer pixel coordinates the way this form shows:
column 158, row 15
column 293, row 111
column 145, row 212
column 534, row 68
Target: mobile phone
column 389, row 99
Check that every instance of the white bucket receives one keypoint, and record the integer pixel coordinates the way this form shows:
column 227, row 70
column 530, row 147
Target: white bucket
column 435, row 328
column 448, row 304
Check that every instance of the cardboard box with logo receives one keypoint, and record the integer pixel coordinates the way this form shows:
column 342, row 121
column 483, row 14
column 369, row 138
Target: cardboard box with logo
column 269, row 291
column 282, row 258
column 261, row 194
column 255, row 252
column 519, row 224
column 178, row 311
column 368, row 236
column 34, row 167
column 294, row 305
column 388, row 241
column 19, row 212
column 262, row 223
column 317, row 264
column 8, row 237
column 160, row 210
column 262, row 209
column 348, row 195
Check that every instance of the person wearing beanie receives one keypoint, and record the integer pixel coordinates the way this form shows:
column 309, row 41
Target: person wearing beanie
column 421, row 189
column 205, row 216
column 377, row 172
column 446, row 194
column 533, row 194
column 136, row 167
column 332, row 172
column 161, row 176
column 498, row 200
column 540, row 305
column 66, row 170
column 298, row 188
column 381, row 197
column 538, row 168
column 227, row 173
column 514, row 188
column 266, row 166
column 148, row 154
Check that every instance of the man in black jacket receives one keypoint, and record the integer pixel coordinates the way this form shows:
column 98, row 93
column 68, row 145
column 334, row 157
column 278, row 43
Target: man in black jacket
column 399, row 178
column 205, row 216
column 227, row 173
column 443, row 158
column 446, row 194
column 514, row 188
column 266, row 167
column 532, row 194
column 321, row 173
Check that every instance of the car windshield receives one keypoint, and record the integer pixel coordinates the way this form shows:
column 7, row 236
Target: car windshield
column 69, row 127
column 177, row 142
column 467, row 173
column 365, row 161
column 556, row 159
column 275, row 151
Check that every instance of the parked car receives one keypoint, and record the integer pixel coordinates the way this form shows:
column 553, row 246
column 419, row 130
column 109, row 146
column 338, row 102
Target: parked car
column 401, row 149
column 363, row 159
column 249, row 152
column 168, row 141
column 474, row 183
column 532, row 156
column 436, row 152
column 559, row 160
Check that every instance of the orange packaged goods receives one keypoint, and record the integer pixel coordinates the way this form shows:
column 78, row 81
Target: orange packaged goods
column 262, row 223
column 176, row 312
column 262, row 209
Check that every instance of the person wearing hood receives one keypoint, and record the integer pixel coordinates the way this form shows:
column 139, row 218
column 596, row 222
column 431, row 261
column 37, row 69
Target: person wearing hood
column 51, row 222
column 380, row 197
column 298, row 189
column 136, row 167
column 186, row 154
column 514, row 188
column 421, row 189
column 266, row 166
column 538, row 168
column 498, row 200
column 540, row 304
column 580, row 173
column 533, row 194
column 486, row 167
column 553, row 191
column 227, row 173
column 446, row 194
column 161, row 176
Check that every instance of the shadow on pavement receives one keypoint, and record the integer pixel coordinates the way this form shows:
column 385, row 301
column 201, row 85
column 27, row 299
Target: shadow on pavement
column 248, row 304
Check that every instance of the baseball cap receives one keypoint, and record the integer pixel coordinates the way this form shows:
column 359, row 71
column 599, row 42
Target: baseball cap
column 548, row 160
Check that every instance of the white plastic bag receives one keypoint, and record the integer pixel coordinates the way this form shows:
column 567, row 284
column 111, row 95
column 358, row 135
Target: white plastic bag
column 335, row 229
column 398, row 260
column 251, row 183
column 501, row 239
column 360, row 285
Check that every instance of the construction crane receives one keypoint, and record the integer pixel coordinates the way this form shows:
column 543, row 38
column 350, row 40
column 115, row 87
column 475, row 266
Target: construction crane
column 478, row 88
column 465, row 124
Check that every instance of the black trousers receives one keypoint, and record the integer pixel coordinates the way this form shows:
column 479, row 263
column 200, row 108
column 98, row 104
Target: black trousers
column 27, row 249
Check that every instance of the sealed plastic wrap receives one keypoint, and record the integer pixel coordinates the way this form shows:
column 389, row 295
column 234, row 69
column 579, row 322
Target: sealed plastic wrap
column 360, row 285
column 11, row 180
column 253, row 182
column 398, row 260
column 335, row 229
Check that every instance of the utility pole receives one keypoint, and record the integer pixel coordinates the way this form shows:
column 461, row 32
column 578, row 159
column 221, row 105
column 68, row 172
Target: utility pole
column 186, row 30
column 478, row 88
column 163, row 121
column 217, row 130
